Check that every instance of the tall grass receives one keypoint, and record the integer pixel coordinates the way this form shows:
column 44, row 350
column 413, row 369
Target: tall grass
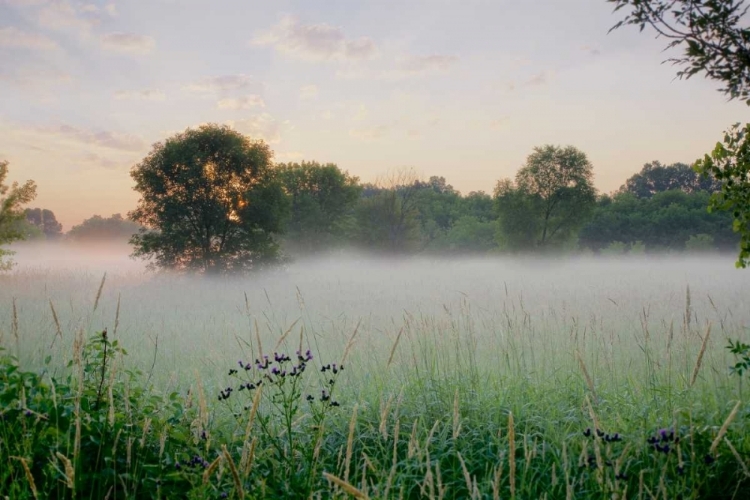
column 467, row 379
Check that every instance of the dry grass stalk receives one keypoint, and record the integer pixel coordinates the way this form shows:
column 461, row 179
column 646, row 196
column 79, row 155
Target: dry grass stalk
column 146, row 428
column 738, row 457
column 211, row 468
column 285, row 335
column 393, row 349
column 496, row 477
column 117, row 316
column 14, row 328
column 594, row 418
column 699, row 361
column 29, row 477
column 350, row 442
column 235, row 474
column 456, row 417
column 413, row 447
column 58, row 330
column 248, row 458
column 353, row 491
column 724, row 428
column 384, row 410
column 350, row 343
column 70, row 473
column 99, row 292
column 586, row 375
column 467, row 476
column 257, row 338
column 512, row 455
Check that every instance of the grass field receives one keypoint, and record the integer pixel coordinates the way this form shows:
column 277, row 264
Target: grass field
column 484, row 378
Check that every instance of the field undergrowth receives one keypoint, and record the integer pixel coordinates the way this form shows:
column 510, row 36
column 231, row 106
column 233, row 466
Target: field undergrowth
column 383, row 379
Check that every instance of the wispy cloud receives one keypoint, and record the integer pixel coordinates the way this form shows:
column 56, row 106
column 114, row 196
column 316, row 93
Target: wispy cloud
column 130, row 43
column 308, row 92
column 370, row 133
column 426, row 64
column 64, row 15
column 140, row 95
column 100, row 138
column 262, row 126
column 316, row 42
column 245, row 102
column 220, row 84
column 593, row 51
column 405, row 67
column 16, row 38
column 34, row 77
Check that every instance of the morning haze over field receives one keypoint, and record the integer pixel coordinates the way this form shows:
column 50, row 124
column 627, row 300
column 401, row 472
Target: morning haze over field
column 374, row 250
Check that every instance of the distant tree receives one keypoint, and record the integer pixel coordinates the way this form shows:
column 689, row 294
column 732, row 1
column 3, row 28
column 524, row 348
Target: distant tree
column 45, row 220
column 12, row 198
column 715, row 38
column 210, row 202
column 468, row 234
column 665, row 221
column 387, row 214
column 478, row 204
column 656, row 178
column 552, row 197
column 322, row 203
column 98, row 229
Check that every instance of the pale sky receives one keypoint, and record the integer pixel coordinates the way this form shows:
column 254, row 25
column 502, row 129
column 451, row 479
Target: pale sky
column 461, row 89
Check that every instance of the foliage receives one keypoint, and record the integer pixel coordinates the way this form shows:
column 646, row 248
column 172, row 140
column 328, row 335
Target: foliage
column 711, row 34
column 322, row 202
column 742, row 352
column 210, row 202
column 388, row 215
column 700, row 243
column 12, row 197
column 665, row 221
column 45, row 221
column 729, row 163
column 100, row 229
column 657, row 178
column 92, row 433
column 551, row 199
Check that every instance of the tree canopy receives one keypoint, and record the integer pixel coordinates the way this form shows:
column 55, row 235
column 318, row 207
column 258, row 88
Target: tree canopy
column 657, row 178
column 552, row 197
column 210, row 202
column 45, row 221
column 322, row 199
column 12, row 198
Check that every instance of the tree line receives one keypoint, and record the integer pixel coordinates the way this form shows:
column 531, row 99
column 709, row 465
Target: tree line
column 213, row 201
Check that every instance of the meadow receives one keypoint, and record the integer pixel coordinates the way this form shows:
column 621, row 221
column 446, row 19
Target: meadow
column 462, row 378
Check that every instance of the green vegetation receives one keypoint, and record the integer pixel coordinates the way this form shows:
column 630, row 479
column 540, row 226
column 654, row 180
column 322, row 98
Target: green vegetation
column 12, row 198
column 531, row 385
column 210, row 201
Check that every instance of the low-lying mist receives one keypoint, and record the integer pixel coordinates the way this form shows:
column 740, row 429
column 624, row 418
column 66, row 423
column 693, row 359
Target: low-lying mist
column 493, row 303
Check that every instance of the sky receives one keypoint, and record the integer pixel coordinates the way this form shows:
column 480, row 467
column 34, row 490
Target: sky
column 463, row 89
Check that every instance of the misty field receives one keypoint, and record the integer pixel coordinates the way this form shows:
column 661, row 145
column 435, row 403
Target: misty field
column 464, row 378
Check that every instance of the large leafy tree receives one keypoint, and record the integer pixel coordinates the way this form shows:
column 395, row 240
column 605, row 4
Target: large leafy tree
column 210, row 202
column 656, row 178
column 715, row 40
column 322, row 199
column 45, row 221
column 12, row 198
column 552, row 197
